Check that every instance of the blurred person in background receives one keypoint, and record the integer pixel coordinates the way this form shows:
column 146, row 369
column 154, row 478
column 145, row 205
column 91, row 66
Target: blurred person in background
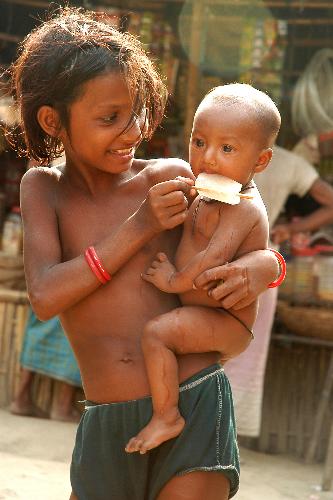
column 286, row 174
column 47, row 351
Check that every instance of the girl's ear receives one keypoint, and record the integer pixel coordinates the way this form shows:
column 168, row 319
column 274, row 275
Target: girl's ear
column 263, row 160
column 48, row 118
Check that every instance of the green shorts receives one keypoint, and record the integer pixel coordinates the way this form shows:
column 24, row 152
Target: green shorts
column 102, row 470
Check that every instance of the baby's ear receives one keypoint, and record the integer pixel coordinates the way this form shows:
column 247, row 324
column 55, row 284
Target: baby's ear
column 48, row 118
column 263, row 160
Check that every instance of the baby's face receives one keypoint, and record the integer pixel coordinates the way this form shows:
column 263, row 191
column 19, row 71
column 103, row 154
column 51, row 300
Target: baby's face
column 225, row 141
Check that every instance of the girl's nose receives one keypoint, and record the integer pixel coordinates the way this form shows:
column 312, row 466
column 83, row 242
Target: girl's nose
column 134, row 132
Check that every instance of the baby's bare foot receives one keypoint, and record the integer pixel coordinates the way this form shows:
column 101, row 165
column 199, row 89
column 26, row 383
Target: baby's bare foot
column 155, row 433
column 160, row 273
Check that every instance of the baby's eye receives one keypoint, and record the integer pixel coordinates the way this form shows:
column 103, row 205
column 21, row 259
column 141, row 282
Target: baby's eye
column 198, row 142
column 227, row 148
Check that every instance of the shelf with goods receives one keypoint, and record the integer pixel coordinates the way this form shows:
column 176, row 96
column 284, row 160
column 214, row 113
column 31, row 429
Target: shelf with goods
column 153, row 22
column 265, row 43
column 12, row 168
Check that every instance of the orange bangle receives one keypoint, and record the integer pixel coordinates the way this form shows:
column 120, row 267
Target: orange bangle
column 283, row 267
column 93, row 267
column 98, row 263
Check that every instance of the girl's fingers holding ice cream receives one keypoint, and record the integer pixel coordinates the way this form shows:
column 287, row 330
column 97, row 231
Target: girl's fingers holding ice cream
column 188, row 181
column 166, row 205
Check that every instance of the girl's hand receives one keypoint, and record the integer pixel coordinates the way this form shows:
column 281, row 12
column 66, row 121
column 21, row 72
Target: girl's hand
column 166, row 204
column 238, row 284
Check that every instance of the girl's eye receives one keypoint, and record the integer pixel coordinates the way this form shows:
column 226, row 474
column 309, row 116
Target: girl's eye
column 199, row 143
column 227, row 148
column 110, row 119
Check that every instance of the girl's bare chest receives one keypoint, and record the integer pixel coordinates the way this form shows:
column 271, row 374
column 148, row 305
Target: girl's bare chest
column 84, row 222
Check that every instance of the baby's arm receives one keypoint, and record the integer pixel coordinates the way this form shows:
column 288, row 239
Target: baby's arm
column 56, row 284
column 235, row 227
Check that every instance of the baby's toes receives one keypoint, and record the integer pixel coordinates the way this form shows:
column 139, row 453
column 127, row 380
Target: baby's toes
column 143, row 448
column 161, row 257
column 133, row 445
column 147, row 276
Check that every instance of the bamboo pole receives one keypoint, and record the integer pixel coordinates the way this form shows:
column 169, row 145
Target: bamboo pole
column 327, row 482
column 14, row 296
column 320, row 413
column 193, row 75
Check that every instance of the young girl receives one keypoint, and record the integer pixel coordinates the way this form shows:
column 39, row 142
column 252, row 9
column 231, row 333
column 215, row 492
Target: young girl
column 91, row 227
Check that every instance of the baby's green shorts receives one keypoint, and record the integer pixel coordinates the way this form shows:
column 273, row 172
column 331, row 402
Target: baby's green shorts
column 102, row 470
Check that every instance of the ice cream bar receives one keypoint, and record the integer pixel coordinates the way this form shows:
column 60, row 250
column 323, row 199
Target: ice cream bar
column 220, row 188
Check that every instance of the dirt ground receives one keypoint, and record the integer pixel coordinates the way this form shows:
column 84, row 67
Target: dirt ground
column 35, row 456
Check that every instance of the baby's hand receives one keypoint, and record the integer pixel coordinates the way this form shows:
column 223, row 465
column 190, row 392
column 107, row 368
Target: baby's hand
column 160, row 273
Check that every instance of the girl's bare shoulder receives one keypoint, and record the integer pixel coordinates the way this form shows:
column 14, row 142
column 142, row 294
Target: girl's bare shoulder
column 42, row 180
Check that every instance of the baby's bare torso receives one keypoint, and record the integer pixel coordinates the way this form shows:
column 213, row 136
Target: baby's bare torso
column 201, row 224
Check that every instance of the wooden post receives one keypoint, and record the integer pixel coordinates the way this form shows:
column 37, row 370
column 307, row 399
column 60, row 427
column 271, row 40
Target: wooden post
column 327, row 483
column 320, row 413
column 198, row 8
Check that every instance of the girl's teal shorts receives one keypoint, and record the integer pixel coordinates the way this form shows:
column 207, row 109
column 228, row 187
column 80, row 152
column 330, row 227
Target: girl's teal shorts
column 102, row 470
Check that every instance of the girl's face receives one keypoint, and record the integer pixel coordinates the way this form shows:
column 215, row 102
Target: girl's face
column 225, row 141
column 97, row 134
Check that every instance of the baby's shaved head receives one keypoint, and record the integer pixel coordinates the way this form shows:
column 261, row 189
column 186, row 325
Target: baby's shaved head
column 256, row 105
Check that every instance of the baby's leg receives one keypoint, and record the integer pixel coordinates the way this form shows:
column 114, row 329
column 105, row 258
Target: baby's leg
column 188, row 329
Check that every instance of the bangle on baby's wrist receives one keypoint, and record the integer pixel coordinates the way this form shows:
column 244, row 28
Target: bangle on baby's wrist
column 282, row 266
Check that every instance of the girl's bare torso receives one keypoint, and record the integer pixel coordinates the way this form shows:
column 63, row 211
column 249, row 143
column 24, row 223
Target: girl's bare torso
column 105, row 327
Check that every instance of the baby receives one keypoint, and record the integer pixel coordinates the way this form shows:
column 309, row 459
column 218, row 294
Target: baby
column 234, row 129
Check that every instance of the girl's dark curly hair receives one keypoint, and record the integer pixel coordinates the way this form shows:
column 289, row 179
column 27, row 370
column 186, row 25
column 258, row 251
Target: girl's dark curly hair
column 63, row 53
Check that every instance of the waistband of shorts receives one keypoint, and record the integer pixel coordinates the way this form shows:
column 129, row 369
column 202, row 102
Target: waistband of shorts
column 191, row 382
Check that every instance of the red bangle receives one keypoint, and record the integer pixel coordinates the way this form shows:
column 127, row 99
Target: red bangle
column 98, row 263
column 93, row 267
column 283, row 267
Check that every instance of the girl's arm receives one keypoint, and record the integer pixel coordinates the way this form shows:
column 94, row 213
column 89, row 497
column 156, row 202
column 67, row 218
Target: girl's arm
column 54, row 285
column 238, row 284
column 322, row 193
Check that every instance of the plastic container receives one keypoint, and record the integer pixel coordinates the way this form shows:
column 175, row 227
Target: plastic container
column 304, row 278
column 286, row 288
column 324, row 275
column 12, row 233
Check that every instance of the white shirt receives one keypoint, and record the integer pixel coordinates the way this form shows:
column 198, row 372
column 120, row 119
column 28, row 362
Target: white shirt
column 287, row 173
